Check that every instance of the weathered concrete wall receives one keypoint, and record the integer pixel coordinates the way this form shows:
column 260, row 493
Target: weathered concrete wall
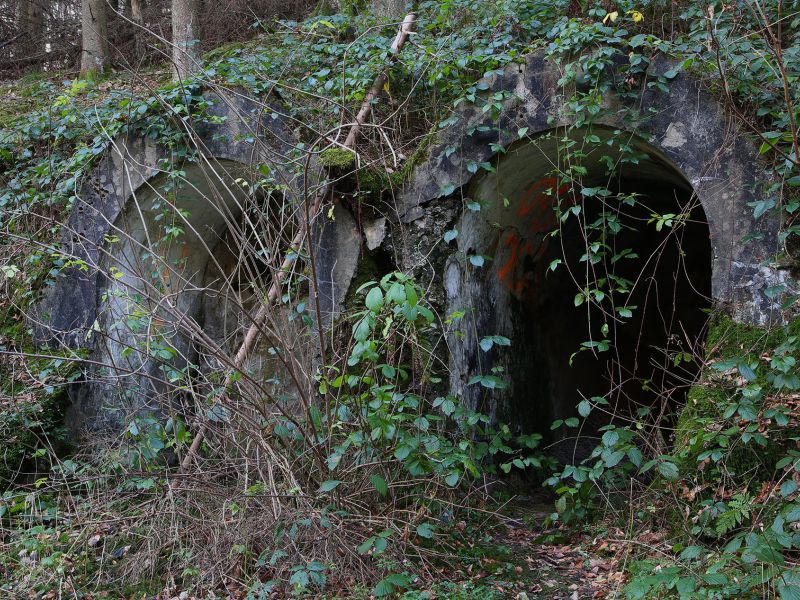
column 686, row 126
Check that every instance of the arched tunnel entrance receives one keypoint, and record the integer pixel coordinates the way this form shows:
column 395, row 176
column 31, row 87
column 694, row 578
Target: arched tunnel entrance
column 600, row 275
column 185, row 263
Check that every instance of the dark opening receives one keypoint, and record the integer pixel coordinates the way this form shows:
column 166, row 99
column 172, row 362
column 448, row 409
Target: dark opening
column 653, row 356
column 654, row 351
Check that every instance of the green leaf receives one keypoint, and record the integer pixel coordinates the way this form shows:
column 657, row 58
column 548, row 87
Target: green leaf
column 450, row 235
column 789, row 591
column 299, row 579
column 476, row 260
column 715, row 579
column 788, row 487
column 490, row 340
column 668, row 470
column 329, row 485
column 379, row 483
column 759, row 208
column 747, row 372
column 584, row 408
column 452, row 479
column 425, row 530
column 374, row 300
column 362, row 329
column 610, row 438
column 686, row 585
column 691, row 552
column 774, row 291
column 635, row 456
column 388, row 585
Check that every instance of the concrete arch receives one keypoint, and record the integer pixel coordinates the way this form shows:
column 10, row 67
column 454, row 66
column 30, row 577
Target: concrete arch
column 685, row 126
column 110, row 229
column 691, row 149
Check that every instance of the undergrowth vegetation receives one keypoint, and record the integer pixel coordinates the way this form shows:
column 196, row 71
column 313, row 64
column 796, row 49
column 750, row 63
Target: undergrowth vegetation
column 367, row 476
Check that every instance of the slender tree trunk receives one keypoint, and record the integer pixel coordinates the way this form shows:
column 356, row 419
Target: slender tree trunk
column 137, row 10
column 185, row 39
column 389, row 9
column 132, row 9
column 94, row 27
column 31, row 19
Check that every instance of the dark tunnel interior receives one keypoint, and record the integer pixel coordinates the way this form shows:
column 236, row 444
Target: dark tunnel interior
column 652, row 358
column 654, row 333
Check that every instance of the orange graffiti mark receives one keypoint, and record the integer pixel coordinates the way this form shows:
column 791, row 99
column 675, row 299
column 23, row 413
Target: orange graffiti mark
column 536, row 220
column 507, row 269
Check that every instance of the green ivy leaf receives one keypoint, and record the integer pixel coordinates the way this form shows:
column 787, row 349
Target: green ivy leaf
column 329, row 485
column 425, row 530
column 476, row 260
column 450, row 235
column 379, row 483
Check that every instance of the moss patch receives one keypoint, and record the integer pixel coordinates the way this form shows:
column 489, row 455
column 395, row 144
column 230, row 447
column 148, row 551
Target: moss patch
column 334, row 158
column 376, row 181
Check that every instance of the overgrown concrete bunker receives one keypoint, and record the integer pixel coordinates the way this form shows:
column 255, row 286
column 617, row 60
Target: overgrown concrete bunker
column 495, row 179
column 538, row 288
column 495, row 185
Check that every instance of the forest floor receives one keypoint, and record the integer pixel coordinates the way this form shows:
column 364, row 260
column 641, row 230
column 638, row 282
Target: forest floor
column 520, row 557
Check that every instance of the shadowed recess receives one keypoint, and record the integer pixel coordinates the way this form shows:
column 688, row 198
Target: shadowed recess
column 639, row 353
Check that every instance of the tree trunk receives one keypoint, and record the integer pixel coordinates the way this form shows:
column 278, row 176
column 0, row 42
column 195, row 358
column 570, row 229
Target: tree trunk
column 94, row 27
column 137, row 10
column 31, row 19
column 389, row 9
column 185, row 42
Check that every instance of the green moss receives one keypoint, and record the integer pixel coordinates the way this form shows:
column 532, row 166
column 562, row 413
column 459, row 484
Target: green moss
column 337, row 157
column 376, row 181
column 726, row 339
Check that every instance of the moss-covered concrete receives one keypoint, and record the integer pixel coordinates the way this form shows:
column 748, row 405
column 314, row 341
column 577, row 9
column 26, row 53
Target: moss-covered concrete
column 376, row 180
